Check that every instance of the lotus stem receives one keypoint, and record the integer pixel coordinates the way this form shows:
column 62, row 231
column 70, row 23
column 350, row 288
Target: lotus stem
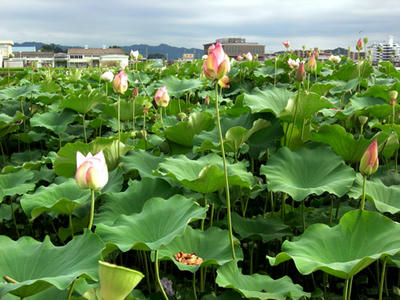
column 194, row 286
column 275, row 66
column 71, row 289
column 161, row 120
column 295, row 116
column 283, row 203
column 2, row 153
column 144, row 255
column 133, row 113
column 71, row 226
column 158, row 275
column 303, row 218
column 91, row 211
column 84, row 128
column 228, row 200
column 363, row 193
column 345, row 289
column 119, row 124
column 212, row 214
column 382, row 279
column 350, row 286
column 393, row 113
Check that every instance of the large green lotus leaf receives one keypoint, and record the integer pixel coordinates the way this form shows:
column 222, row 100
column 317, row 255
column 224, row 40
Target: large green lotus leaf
column 17, row 183
column 142, row 161
column 211, row 245
column 258, row 286
column 270, row 99
column 303, row 107
column 360, row 103
column 343, row 143
column 226, row 295
column 346, row 86
column 308, row 171
column 15, row 92
column 159, row 222
column 206, row 174
column 267, row 229
column 385, row 198
column 82, row 101
column 36, row 266
column 115, row 181
column 62, row 198
column 65, row 163
column 360, row 238
column 50, row 293
column 132, row 199
column 268, row 71
column 183, row 132
column 177, row 87
column 54, row 121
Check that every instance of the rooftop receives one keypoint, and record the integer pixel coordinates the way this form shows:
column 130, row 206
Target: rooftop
column 95, row 51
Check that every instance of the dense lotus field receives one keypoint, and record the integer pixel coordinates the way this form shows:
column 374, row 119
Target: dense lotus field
column 308, row 152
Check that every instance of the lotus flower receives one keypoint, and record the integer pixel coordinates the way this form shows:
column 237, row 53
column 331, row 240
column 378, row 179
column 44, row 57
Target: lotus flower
column 91, row 171
column 311, row 65
column 217, row 65
column 300, row 73
column 135, row 92
column 161, row 97
column 120, row 83
column 107, row 76
column 207, row 100
column 134, row 54
column 359, row 45
column 293, row 63
column 335, row 59
column 239, row 58
column 369, row 161
column 249, row 56
column 286, row 44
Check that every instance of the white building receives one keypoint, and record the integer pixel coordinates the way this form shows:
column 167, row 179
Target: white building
column 386, row 51
column 95, row 57
column 6, row 48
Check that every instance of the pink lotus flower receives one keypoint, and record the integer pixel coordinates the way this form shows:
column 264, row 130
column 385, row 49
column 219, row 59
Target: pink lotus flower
column 134, row 54
column 120, row 83
column 217, row 65
column 293, row 63
column 286, row 44
column 369, row 161
column 311, row 65
column 207, row 100
column 239, row 58
column 359, row 45
column 300, row 73
column 249, row 56
column 91, row 171
column 161, row 97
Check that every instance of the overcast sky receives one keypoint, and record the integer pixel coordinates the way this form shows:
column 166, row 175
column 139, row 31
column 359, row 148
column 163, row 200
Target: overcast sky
column 191, row 23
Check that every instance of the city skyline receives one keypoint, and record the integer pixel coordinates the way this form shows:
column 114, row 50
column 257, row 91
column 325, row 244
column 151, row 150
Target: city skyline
column 304, row 22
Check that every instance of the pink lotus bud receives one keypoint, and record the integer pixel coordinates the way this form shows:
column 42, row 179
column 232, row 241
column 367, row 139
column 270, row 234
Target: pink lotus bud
column 91, row 171
column 161, row 97
column 107, row 76
column 239, row 58
column 207, row 100
column 145, row 111
column 359, row 45
column 120, row 83
column 217, row 64
column 311, row 65
column 286, row 44
column 293, row 63
column 135, row 92
column 369, row 161
column 249, row 56
column 300, row 73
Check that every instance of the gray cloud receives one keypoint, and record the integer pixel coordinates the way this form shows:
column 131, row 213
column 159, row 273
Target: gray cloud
column 190, row 24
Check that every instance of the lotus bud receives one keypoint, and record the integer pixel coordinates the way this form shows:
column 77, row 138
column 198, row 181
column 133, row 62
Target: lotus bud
column 363, row 120
column 161, row 97
column 311, row 65
column 91, row 171
column 239, row 58
column 207, row 100
column 181, row 116
column 107, row 76
column 135, row 92
column 286, row 44
column 300, row 73
column 204, row 57
column 366, row 40
column 134, row 54
column 359, row 45
column 120, row 83
column 393, row 97
column 249, row 56
column 145, row 111
column 217, row 64
column 369, row 161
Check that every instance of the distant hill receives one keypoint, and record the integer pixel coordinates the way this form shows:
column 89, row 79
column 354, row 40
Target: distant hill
column 170, row 52
column 339, row 51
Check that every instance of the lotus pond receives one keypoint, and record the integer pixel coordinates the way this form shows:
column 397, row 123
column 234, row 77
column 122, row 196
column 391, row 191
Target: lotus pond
column 253, row 190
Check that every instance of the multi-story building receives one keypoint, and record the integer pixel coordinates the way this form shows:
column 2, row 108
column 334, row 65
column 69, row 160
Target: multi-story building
column 39, row 59
column 6, row 48
column 95, row 57
column 234, row 47
column 385, row 51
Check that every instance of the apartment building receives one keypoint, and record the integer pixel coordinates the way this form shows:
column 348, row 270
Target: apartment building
column 234, row 47
column 385, row 51
column 95, row 57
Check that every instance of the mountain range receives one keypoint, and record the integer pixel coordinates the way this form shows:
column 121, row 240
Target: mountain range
column 170, row 52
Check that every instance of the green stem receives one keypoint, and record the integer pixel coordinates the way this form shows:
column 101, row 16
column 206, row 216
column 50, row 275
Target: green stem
column 91, row 211
column 194, row 286
column 59, row 141
column 133, row 114
column 382, row 279
column 325, row 278
column 84, row 128
column 71, row 226
column 276, row 62
column 71, row 289
column 14, row 219
column 212, row 214
column 228, row 200
column 158, row 276
column 283, row 204
column 147, row 271
column 345, row 289
column 251, row 258
column 350, row 286
column 2, row 153
column 393, row 113
column 331, row 212
column 363, row 193
column 303, row 218
column 119, row 125
column 161, row 120
column 295, row 116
